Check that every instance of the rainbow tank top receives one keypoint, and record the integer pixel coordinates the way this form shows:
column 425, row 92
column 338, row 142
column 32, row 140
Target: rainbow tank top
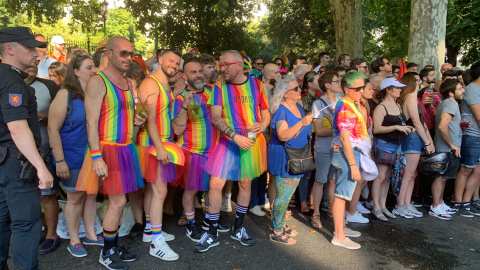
column 117, row 114
column 163, row 118
column 200, row 136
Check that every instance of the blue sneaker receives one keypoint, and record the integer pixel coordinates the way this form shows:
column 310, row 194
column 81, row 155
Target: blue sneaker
column 49, row 246
column 89, row 242
column 77, row 250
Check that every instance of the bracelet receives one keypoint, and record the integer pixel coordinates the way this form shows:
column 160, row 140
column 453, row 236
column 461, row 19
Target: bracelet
column 184, row 108
column 59, row 161
column 428, row 144
column 353, row 164
column 96, row 154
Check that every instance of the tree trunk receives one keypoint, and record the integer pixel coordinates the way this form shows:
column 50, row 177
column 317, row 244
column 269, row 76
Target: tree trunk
column 347, row 19
column 428, row 23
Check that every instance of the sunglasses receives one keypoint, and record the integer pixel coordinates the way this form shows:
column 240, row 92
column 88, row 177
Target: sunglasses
column 125, row 53
column 296, row 88
column 311, row 76
column 226, row 66
column 279, row 64
column 260, row 64
column 357, row 89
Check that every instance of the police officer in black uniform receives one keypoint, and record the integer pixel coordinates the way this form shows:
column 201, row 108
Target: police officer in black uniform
column 22, row 165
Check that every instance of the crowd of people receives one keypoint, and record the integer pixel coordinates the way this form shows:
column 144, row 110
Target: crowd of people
column 112, row 119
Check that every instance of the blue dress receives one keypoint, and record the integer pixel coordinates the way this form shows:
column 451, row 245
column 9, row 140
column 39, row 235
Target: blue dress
column 277, row 157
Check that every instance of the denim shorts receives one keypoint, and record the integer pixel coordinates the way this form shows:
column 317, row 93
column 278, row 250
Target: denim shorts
column 56, row 185
column 323, row 161
column 70, row 184
column 385, row 146
column 470, row 151
column 412, row 144
column 340, row 172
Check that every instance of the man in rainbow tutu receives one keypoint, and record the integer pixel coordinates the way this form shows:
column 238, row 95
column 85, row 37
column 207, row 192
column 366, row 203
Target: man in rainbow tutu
column 239, row 110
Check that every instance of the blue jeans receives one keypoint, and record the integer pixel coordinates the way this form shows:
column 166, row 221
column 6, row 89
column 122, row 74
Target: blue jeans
column 305, row 185
column 258, row 191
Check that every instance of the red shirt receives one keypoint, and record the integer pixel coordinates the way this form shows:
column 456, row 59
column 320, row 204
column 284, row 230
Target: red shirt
column 60, row 59
column 141, row 62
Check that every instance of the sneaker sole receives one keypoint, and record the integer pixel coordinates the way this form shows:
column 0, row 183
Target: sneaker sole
column 347, row 247
column 193, row 239
column 467, row 215
column 74, row 255
column 205, row 228
column 438, row 216
column 174, row 258
column 236, row 238
column 92, row 244
column 147, row 239
column 212, row 245
column 399, row 215
column 361, row 222
column 102, row 263
column 258, row 214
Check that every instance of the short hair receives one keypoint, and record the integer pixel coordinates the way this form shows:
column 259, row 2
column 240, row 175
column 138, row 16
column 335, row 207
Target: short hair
column 327, row 77
column 475, row 70
column 191, row 60
column 322, row 54
column 206, row 59
column 377, row 64
column 258, row 58
column 135, row 72
column 448, row 87
column 294, row 61
column 424, row 72
column 395, row 67
column 111, row 41
column 97, row 57
column 450, row 73
column 411, row 65
column 338, row 69
column 342, row 57
column 349, row 78
column 158, row 52
column 298, row 70
column 355, row 62
column 467, row 77
column 429, row 67
column 176, row 52
column 73, row 51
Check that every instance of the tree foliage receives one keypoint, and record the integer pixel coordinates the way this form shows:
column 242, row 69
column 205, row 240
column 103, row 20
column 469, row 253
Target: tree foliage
column 86, row 15
column 40, row 10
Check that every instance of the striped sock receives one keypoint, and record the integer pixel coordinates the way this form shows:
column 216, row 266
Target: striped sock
column 190, row 217
column 213, row 223
column 156, row 231
column 109, row 240
column 241, row 211
column 147, row 222
column 207, row 214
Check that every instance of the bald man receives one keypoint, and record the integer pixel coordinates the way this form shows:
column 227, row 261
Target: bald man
column 271, row 73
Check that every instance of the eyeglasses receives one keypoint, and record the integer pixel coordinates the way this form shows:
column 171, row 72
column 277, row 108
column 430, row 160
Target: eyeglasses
column 296, row 88
column 337, row 81
column 260, row 64
column 357, row 89
column 401, row 119
column 226, row 66
column 125, row 53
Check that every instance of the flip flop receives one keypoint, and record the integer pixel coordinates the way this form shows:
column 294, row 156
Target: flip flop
column 379, row 215
column 279, row 239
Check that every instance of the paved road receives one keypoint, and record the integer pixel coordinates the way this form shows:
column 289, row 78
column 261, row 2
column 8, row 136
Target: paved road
column 424, row 243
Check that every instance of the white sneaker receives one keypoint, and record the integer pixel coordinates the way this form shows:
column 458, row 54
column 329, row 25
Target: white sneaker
column 369, row 205
column 267, row 203
column 413, row 210
column 147, row 236
column 362, row 209
column 448, row 209
column 160, row 249
column 226, row 206
column 257, row 211
column 402, row 211
column 439, row 212
column 357, row 218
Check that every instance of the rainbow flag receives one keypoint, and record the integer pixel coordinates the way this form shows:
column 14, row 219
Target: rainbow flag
column 285, row 60
column 247, row 62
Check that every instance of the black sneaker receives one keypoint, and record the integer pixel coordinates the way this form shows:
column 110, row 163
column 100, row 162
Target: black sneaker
column 462, row 211
column 137, row 230
column 126, row 255
column 242, row 236
column 473, row 210
column 112, row 261
column 206, row 242
column 193, row 232
column 220, row 227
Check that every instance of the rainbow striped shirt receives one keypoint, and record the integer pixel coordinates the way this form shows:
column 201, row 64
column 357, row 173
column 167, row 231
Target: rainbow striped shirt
column 117, row 114
column 241, row 103
column 200, row 136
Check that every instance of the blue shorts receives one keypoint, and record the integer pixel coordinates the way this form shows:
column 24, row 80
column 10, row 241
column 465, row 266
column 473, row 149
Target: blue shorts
column 322, row 161
column 413, row 144
column 56, row 185
column 385, row 146
column 470, row 151
column 340, row 172
column 70, row 184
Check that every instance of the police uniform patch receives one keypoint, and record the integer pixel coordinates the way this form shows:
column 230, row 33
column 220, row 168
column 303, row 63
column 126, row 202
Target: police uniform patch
column 15, row 99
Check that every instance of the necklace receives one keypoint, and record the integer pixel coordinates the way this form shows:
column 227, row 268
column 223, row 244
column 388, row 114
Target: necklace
column 114, row 77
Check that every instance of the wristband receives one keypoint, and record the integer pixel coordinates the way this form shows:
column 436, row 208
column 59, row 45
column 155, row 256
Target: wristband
column 428, row 144
column 96, row 154
column 59, row 161
column 184, row 108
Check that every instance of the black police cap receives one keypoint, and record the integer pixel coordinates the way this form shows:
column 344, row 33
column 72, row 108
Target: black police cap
column 22, row 35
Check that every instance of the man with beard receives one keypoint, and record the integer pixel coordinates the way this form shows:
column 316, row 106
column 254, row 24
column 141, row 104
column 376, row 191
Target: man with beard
column 111, row 162
column 197, row 137
column 448, row 140
column 344, row 61
column 271, row 73
column 359, row 64
column 427, row 76
column 239, row 109
column 156, row 93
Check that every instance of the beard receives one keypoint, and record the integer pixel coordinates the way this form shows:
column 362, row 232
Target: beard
column 168, row 74
column 272, row 81
column 197, row 84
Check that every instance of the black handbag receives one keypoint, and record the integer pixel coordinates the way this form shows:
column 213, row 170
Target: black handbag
column 300, row 160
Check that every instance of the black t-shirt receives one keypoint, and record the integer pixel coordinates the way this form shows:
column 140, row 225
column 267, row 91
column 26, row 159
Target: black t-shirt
column 372, row 105
column 17, row 102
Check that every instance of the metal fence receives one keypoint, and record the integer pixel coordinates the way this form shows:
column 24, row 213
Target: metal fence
column 86, row 45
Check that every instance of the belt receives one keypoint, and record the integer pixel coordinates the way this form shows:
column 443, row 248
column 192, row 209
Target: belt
column 14, row 153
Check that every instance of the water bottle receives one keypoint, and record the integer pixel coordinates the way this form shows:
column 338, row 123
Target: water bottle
column 428, row 92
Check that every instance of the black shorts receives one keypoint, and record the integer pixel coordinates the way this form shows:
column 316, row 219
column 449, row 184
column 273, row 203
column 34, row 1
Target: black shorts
column 453, row 166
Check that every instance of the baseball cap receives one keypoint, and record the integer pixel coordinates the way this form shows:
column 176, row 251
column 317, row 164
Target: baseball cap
column 22, row 35
column 58, row 40
column 391, row 82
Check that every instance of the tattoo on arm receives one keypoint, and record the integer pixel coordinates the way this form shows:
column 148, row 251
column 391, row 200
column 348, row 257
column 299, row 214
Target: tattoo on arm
column 180, row 115
column 223, row 127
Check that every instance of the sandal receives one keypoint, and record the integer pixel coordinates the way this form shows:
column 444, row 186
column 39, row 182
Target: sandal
column 387, row 213
column 316, row 223
column 182, row 221
column 279, row 238
column 289, row 231
column 379, row 215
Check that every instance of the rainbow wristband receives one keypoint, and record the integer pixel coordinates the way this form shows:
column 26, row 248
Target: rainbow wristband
column 96, row 154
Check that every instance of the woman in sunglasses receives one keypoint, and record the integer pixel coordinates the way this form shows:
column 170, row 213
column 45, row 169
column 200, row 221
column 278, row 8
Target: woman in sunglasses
column 390, row 129
column 67, row 131
column 292, row 128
